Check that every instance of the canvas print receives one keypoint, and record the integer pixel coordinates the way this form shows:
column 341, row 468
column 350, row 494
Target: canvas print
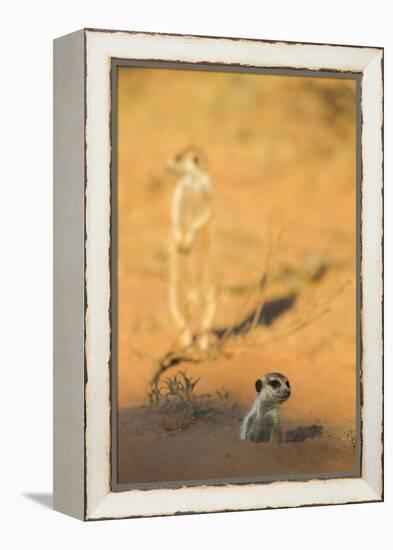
column 235, row 326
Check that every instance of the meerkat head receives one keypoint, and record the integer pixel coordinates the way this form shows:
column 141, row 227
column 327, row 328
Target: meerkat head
column 190, row 160
column 273, row 389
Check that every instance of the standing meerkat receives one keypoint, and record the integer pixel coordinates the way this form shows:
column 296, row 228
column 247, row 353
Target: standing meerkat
column 192, row 295
column 262, row 423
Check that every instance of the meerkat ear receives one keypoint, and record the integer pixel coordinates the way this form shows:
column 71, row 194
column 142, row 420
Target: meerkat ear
column 258, row 385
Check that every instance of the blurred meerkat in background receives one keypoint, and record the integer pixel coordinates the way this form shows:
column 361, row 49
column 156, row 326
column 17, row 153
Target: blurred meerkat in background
column 192, row 294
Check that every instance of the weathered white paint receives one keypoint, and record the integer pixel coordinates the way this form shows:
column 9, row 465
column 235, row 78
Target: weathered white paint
column 232, row 497
column 372, row 93
column 101, row 46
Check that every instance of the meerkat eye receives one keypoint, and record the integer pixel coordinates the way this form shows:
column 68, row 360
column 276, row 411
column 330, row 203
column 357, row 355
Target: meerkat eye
column 287, row 384
column 274, row 383
column 196, row 159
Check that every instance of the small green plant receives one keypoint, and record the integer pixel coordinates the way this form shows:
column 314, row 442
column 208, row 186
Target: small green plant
column 154, row 394
column 175, row 401
column 223, row 394
column 179, row 387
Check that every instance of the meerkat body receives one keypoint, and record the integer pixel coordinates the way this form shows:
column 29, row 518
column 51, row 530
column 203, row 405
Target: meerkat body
column 192, row 291
column 262, row 423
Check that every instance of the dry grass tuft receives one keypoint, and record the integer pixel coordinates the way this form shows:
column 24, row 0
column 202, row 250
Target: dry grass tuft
column 175, row 402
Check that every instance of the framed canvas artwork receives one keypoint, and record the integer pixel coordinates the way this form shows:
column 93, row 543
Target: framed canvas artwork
column 218, row 274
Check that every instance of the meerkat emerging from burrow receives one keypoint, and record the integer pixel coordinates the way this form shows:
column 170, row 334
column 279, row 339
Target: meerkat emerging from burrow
column 262, row 423
column 192, row 293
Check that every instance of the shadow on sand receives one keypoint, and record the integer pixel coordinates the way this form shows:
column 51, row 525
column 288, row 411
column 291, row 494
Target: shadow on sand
column 302, row 433
column 265, row 315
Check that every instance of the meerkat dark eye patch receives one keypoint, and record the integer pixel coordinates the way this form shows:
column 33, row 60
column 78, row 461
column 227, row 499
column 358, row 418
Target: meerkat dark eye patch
column 258, row 385
column 287, row 384
column 274, row 383
column 196, row 159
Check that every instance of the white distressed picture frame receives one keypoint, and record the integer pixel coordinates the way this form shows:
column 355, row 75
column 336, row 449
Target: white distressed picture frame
column 82, row 241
